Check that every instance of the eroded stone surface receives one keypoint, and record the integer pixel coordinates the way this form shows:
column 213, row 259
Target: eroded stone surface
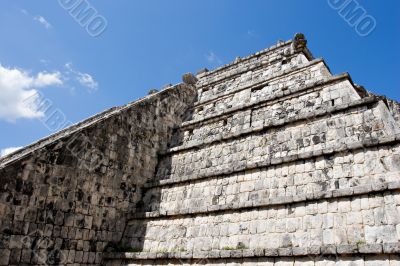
column 269, row 160
column 68, row 201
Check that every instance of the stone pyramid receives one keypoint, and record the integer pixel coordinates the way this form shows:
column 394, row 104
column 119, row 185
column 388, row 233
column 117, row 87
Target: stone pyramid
column 269, row 160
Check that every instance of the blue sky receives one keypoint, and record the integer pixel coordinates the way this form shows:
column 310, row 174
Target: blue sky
column 148, row 44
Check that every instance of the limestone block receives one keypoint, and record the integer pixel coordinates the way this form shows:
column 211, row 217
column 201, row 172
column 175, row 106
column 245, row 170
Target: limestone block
column 4, row 256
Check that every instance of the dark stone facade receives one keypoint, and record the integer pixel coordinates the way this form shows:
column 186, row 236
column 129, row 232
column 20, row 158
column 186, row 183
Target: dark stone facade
column 67, row 198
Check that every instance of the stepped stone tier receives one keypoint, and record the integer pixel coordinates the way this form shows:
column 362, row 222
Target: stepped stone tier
column 269, row 160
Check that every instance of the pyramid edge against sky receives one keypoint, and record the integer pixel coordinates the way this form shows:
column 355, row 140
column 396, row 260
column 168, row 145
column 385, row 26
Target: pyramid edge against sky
column 269, row 160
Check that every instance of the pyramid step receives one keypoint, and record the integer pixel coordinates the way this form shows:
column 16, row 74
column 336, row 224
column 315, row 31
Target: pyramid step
column 321, row 135
column 250, row 121
column 253, row 62
column 264, row 86
column 261, row 98
column 172, row 208
column 313, row 253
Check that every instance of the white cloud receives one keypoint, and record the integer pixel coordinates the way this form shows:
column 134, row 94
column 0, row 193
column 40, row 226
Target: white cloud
column 84, row 79
column 44, row 79
column 87, row 80
column 6, row 151
column 42, row 21
column 17, row 87
column 213, row 58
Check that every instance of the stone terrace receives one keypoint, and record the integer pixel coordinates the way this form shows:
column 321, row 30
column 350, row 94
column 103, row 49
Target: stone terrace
column 281, row 163
column 269, row 160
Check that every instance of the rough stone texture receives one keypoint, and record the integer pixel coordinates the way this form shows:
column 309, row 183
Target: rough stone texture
column 357, row 260
column 288, row 182
column 66, row 201
column 269, row 160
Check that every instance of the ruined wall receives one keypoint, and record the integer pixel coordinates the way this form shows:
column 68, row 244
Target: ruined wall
column 65, row 199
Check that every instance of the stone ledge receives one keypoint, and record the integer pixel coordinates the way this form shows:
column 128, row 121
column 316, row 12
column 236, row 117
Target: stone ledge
column 257, row 66
column 280, row 97
column 262, row 81
column 366, row 143
column 276, row 123
column 331, row 194
column 270, row 49
column 280, row 44
column 360, row 249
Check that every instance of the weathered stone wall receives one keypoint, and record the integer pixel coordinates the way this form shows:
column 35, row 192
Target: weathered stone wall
column 269, row 160
column 285, row 53
column 330, row 132
column 282, row 163
column 368, row 168
column 394, row 108
column 233, row 92
column 266, row 113
column 374, row 260
column 368, row 219
column 66, row 201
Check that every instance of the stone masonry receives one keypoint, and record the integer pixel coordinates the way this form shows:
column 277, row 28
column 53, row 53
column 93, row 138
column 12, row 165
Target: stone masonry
column 269, row 160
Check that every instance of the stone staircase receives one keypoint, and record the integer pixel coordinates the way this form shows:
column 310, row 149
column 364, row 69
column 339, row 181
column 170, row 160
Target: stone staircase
column 280, row 163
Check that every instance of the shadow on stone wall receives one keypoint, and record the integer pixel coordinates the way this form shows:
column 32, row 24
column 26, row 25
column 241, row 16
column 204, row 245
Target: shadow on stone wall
column 136, row 229
column 68, row 201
